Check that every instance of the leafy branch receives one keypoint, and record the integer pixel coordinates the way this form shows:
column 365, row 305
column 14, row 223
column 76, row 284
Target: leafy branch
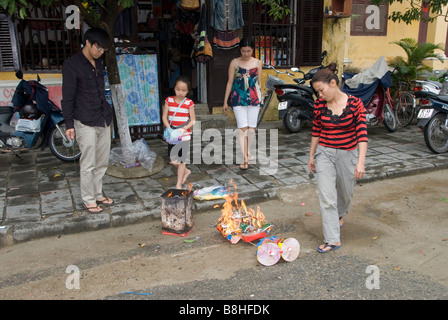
column 414, row 10
column 277, row 8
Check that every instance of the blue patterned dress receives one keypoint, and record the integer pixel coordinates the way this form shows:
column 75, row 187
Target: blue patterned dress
column 245, row 89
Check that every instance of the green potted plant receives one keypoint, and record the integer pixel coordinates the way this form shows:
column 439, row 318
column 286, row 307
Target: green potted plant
column 409, row 69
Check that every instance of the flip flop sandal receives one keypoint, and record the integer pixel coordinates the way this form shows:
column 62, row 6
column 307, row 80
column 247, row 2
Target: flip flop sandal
column 244, row 166
column 106, row 201
column 340, row 226
column 96, row 209
column 332, row 246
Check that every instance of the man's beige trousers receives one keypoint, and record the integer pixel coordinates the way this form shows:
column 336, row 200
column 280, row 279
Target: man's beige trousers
column 94, row 143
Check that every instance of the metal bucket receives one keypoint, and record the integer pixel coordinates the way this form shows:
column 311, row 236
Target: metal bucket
column 177, row 212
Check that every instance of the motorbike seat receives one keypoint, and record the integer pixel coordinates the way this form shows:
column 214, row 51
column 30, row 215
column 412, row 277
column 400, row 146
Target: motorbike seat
column 435, row 83
column 296, row 86
column 308, row 89
column 442, row 98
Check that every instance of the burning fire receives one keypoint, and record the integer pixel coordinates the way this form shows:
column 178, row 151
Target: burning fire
column 241, row 222
column 183, row 193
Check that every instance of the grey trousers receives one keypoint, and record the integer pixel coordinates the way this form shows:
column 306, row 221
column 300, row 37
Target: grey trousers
column 94, row 143
column 335, row 176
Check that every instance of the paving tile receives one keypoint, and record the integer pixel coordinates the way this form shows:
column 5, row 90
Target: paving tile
column 40, row 195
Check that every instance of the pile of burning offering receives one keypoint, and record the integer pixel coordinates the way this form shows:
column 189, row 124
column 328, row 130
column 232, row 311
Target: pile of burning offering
column 239, row 222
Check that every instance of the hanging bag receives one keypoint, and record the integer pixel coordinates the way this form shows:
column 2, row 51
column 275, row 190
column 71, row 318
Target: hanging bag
column 189, row 4
column 202, row 47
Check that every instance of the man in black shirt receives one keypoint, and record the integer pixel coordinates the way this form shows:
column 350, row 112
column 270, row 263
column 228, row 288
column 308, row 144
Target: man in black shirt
column 88, row 114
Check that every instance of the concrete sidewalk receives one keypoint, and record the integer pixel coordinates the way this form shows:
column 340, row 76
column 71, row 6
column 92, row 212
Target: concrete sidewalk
column 40, row 196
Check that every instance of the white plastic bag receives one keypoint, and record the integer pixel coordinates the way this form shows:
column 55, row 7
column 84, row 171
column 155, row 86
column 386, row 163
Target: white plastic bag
column 28, row 125
column 140, row 153
column 143, row 154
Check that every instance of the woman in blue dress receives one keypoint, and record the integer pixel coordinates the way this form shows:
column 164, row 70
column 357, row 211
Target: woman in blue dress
column 244, row 90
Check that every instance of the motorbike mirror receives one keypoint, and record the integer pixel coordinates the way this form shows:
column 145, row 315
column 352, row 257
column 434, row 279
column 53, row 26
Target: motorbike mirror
column 19, row 74
column 295, row 69
column 324, row 54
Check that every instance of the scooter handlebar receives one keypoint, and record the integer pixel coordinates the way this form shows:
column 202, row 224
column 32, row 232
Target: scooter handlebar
column 268, row 66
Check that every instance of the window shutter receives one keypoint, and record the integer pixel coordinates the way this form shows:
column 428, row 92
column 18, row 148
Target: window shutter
column 358, row 23
column 8, row 47
column 309, row 32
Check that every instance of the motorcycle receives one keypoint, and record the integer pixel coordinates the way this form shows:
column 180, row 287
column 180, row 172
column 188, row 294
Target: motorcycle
column 296, row 101
column 431, row 85
column 372, row 87
column 34, row 120
column 428, row 85
column 433, row 120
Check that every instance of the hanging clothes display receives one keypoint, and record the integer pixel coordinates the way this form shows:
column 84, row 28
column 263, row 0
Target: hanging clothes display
column 227, row 15
column 226, row 39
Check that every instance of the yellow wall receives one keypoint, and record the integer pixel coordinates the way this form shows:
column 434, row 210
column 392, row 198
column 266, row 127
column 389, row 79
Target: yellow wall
column 437, row 34
column 29, row 76
column 363, row 51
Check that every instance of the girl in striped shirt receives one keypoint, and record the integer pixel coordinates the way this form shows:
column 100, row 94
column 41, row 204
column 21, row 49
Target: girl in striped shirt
column 337, row 153
column 178, row 113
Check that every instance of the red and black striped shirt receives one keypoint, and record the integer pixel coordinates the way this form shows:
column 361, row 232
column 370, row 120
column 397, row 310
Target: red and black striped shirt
column 340, row 132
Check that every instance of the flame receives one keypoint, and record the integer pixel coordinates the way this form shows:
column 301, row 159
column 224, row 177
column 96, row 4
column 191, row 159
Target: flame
column 237, row 219
column 190, row 186
column 183, row 193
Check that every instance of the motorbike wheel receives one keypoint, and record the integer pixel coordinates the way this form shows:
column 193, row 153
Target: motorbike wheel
column 291, row 120
column 390, row 121
column 404, row 108
column 62, row 150
column 436, row 135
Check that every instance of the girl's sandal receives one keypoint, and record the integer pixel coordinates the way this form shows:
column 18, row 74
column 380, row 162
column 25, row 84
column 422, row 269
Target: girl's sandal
column 244, row 166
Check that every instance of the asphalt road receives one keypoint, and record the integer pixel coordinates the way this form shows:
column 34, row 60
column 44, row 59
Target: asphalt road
column 394, row 245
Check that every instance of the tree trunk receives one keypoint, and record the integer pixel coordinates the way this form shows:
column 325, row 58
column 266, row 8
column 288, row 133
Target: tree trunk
column 109, row 19
column 122, row 123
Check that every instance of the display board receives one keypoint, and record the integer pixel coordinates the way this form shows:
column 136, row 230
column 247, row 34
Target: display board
column 140, row 84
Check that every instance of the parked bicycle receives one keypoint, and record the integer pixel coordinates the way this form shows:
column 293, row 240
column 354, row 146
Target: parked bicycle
column 372, row 87
column 404, row 105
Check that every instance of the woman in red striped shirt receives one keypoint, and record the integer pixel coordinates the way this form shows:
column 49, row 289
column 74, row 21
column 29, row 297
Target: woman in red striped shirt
column 337, row 153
